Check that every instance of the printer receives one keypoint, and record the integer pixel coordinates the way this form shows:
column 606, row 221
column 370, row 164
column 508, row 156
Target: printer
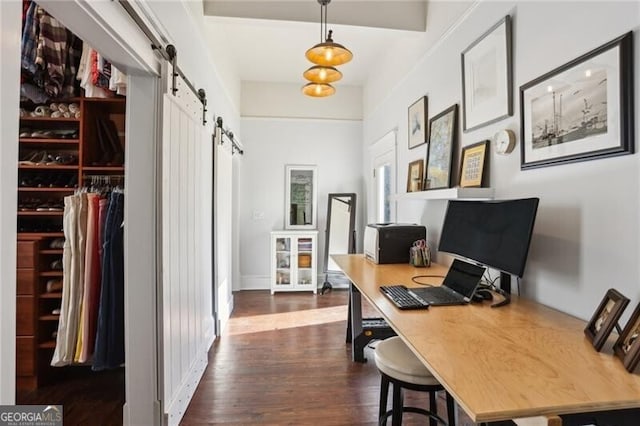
column 390, row 242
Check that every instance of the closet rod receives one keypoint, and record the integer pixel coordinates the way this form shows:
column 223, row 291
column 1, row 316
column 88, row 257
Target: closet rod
column 157, row 46
column 235, row 144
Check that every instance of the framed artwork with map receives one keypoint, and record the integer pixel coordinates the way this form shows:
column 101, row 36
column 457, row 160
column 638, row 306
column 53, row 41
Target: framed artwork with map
column 442, row 134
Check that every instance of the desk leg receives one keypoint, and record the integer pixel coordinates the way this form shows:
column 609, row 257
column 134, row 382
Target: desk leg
column 360, row 331
column 355, row 324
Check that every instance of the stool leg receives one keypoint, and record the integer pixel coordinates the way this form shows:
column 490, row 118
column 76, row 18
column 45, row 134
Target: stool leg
column 396, row 417
column 384, row 394
column 433, row 407
column 451, row 410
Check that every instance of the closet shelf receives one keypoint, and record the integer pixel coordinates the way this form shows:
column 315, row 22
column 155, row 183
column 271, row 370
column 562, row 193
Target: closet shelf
column 51, row 274
column 103, row 168
column 36, row 235
column 24, row 167
column 51, row 296
column 48, row 345
column 50, row 317
column 63, row 119
column 447, row 194
column 51, row 251
column 40, row 213
column 35, row 189
column 49, row 141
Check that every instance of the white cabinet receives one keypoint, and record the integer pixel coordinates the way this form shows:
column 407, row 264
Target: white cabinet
column 293, row 261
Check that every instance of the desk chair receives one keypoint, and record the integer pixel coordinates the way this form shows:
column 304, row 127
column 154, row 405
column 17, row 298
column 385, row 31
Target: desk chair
column 399, row 366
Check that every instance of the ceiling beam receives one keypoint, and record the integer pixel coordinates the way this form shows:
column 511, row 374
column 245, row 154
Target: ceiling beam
column 404, row 15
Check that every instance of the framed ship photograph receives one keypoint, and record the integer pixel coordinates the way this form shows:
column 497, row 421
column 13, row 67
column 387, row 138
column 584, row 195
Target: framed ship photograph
column 605, row 318
column 580, row 111
column 627, row 347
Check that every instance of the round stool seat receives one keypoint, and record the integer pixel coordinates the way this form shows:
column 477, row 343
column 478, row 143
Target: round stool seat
column 395, row 359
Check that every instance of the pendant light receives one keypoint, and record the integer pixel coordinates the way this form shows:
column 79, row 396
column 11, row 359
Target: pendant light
column 320, row 74
column 318, row 90
column 327, row 53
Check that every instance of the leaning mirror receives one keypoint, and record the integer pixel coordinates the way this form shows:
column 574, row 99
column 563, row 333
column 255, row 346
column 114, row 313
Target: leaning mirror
column 340, row 234
column 300, row 197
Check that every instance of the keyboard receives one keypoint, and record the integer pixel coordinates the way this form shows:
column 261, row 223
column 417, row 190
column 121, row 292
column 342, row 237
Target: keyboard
column 403, row 298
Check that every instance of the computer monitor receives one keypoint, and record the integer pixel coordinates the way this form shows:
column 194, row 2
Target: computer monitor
column 495, row 233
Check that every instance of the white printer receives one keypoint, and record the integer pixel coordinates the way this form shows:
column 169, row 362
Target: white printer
column 390, row 242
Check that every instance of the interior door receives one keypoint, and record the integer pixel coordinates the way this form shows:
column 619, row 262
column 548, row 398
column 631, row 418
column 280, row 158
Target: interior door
column 383, row 184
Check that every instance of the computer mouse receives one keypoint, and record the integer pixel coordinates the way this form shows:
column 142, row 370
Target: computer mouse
column 483, row 294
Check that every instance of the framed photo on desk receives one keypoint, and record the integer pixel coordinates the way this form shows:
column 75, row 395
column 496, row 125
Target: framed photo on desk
column 627, row 347
column 605, row 318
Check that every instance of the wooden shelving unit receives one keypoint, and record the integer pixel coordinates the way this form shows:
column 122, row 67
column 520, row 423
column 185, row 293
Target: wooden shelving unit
column 34, row 345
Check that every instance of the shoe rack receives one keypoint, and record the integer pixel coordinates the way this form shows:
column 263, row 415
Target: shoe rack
column 57, row 155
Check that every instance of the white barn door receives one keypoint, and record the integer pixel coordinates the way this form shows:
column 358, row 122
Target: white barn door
column 185, row 305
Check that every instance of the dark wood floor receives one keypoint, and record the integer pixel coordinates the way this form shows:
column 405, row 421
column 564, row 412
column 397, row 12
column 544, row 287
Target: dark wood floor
column 283, row 360
column 88, row 398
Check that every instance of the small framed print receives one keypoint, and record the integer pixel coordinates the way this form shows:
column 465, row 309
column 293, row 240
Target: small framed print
column 414, row 176
column 473, row 165
column 627, row 347
column 605, row 318
column 418, row 123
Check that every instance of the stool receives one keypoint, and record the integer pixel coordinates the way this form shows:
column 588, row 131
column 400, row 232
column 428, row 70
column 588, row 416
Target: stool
column 399, row 366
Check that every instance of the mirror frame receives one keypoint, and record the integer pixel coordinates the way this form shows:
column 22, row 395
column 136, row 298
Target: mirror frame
column 352, row 227
column 314, row 196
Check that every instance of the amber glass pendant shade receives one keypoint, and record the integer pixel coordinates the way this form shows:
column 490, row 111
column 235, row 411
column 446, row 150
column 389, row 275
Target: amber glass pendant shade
column 319, row 74
column 318, row 90
column 329, row 54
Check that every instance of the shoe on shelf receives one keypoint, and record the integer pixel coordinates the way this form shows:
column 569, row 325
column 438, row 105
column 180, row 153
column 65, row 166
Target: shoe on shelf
column 54, row 286
column 30, row 159
column 56, row 311
column 56, row 265
column 57, row 243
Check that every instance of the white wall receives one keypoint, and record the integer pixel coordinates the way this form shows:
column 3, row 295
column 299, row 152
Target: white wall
column 334, row 146
column 587, row 231
column 262, row 99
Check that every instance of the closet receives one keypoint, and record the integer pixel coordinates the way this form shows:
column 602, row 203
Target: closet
column 69, row 220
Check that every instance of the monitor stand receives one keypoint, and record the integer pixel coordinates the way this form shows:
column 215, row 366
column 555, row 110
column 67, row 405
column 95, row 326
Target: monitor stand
column 505, row 282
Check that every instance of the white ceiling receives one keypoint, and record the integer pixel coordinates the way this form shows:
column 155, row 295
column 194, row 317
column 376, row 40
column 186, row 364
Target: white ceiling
column 272, row 50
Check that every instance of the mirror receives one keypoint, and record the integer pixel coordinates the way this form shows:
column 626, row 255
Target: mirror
column 300, row 198
column 340, row 235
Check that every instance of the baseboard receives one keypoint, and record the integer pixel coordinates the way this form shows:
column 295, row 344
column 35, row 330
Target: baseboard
column 254, row 282
column 178, row 406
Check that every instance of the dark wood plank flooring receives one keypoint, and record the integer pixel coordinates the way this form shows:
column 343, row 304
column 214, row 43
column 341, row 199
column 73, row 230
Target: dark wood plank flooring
column 88, row 398
column 283, row 360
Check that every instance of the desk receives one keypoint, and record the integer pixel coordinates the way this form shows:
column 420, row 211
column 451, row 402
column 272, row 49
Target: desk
column 520, row 360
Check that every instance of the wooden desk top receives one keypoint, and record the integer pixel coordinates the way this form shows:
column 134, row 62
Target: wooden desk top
column 519, row 360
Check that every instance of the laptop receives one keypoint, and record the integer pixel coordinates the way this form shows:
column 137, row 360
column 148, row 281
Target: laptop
column 458, row 286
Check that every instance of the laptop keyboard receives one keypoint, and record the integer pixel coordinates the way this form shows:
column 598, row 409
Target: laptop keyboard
column 440, row 295
column 402, row 297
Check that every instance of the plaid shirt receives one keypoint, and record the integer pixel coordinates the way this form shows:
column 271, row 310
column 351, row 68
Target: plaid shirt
column 30, row 39
column 51, row 51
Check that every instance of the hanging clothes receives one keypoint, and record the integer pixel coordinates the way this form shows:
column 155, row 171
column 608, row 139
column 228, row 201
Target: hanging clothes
column 91, row 324
column 109, row 348
column 51, row 51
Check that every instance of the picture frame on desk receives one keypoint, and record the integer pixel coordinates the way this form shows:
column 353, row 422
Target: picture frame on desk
column 627, row 347
column 605, row 318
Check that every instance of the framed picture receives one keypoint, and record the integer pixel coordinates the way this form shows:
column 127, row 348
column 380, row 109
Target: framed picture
column 442, row 134
column 627, row 347
column 418, row 122
column 605, row 318
column 473, row 165
column 580, row 111
column 415, row 176
column 487, row 94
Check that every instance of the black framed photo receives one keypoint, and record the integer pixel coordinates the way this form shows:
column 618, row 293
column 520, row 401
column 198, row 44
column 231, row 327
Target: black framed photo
column 605, row 318
column 473, row 170
column 580, row 111
column 487, row 94
column 418, row 123
column 627, row 347
column 442, row 137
